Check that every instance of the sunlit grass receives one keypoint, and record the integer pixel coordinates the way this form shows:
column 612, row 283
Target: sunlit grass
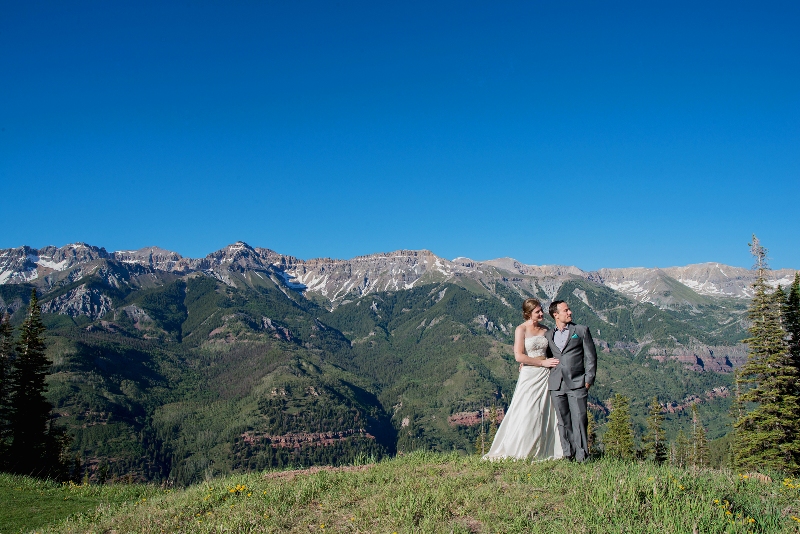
column 425, row 492
column 27, row 503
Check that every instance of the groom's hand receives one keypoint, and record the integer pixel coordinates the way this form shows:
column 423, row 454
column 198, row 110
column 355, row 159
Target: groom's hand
column 588, row 386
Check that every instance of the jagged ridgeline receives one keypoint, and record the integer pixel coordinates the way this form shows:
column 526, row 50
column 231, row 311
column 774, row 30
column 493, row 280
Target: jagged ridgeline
column 171, row 368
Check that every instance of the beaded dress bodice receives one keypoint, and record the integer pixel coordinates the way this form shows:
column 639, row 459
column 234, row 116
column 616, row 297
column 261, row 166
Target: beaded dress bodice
column 536, row 346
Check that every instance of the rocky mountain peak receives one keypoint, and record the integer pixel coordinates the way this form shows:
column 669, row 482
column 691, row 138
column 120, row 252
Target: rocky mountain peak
column 513, row 266
column 75, row 252
column 387, row 271
column 238, row 255
column 24, row 264
column 155, row 258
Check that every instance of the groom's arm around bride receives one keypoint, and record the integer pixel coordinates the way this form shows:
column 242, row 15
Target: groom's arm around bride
column 570, row 381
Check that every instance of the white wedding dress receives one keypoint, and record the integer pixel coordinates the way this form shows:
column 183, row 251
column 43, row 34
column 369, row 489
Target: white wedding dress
column 529, row 429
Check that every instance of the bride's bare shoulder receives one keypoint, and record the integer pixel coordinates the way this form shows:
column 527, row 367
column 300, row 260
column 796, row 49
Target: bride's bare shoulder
column 522, row 330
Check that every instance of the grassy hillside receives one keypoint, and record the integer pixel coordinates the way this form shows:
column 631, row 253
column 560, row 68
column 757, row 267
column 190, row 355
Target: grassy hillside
column 426, row 492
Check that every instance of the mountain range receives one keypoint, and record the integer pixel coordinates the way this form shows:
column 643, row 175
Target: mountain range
column 173, row 368
column 335, row 281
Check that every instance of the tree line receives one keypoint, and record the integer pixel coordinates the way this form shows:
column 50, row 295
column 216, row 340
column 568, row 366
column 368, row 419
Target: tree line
column 690, row 450
column 30, row 443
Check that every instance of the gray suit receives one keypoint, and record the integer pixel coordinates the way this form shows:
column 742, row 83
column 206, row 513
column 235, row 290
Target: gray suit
column 567, row 384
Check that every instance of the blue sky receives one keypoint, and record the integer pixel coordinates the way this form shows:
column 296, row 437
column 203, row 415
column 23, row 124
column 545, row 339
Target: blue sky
column 592, row 134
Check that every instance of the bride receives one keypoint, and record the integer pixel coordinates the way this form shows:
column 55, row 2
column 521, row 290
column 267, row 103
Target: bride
column 529, row 429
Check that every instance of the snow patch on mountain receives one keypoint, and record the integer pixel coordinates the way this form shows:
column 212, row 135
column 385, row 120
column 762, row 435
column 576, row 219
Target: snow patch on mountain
column 56, row 266
column 291, row 281
column 629, row 287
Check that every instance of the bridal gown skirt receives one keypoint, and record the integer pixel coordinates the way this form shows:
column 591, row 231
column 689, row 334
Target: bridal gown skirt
column 530, row 429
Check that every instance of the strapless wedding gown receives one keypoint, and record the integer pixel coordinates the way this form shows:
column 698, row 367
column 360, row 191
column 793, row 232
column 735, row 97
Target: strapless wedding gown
column 529, row 429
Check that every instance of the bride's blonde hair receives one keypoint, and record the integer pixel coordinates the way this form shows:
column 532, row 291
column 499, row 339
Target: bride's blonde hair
column 528, row 306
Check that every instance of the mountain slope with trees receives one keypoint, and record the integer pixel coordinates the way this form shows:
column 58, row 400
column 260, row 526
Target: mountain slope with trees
column 165, row 368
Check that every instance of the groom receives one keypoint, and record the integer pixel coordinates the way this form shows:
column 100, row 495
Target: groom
column 571, row 379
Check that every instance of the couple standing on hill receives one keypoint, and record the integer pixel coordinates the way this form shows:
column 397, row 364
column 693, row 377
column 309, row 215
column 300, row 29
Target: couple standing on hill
column 557, row 368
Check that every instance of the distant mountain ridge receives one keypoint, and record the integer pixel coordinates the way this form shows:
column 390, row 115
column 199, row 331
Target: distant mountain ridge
column 335, row 281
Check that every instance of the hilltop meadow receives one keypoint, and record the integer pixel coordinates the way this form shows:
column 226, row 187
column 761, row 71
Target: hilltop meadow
column 419, row 492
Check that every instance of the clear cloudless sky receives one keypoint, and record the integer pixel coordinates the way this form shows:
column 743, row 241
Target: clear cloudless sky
column 596, row 134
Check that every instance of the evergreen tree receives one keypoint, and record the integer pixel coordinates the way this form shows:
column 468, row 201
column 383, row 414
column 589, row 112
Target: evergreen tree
column 766, row 433
column 493, row 425
column 30, row 411
column 618, row 439
column 482, row 444
column 698, row 449
column 654, row 443
column 791, row 323
column 736, row 413
column 6, row 354
column 591, row 433
column 680, row 450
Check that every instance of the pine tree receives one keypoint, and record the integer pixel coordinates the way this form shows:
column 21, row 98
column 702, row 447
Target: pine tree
column 6, row 354
column 736, row 413
column 591, row 433
column 791, row 324
column 766, row 434
column 493, row 424
column 654, row 443
column 482, row 444
column 698, row 447
column 30, row 411
column 618, row 439
column 680, row 450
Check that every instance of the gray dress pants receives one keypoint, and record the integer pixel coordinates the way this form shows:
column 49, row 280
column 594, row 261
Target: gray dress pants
column 572, row 421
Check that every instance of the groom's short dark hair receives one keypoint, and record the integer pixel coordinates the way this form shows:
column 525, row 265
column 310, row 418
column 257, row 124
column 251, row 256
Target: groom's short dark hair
column 554, row 308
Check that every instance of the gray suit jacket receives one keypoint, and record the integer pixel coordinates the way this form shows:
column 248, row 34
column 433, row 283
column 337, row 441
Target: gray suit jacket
column 578, row 361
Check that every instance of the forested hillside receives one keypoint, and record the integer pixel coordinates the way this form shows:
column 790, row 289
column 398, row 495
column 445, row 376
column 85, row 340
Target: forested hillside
column 182, row 372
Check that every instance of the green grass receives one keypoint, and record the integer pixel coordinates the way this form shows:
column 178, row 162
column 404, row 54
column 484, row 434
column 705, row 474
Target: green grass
column 27, row 504
column 427, row 492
